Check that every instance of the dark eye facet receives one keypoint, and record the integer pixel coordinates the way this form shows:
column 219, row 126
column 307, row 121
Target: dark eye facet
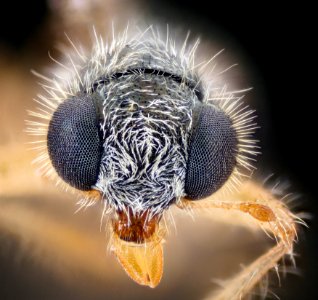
column 74, row 142
column 212, row 152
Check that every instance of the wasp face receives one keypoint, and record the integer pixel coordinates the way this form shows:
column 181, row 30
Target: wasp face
column 142, row 136
column 142, row 140
column 139, row 131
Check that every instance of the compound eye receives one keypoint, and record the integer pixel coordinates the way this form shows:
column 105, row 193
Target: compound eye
column 212, row 152
column 74, row 142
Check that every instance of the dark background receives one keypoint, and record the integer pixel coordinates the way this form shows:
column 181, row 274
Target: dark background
column 278, row 42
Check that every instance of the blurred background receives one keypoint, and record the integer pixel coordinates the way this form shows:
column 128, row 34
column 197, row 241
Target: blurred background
column 48, row 252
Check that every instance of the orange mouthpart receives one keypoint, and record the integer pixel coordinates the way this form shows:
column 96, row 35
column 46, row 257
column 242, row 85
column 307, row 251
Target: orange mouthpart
column 138, row 247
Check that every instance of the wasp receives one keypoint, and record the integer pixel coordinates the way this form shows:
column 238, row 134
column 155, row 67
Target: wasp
column 135, row 123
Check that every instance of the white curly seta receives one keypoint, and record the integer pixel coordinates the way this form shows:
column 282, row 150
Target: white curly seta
column 147, row 120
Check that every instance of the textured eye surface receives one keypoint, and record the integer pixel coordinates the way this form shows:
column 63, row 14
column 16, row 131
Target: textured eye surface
column 212, row 152
column 74, row 143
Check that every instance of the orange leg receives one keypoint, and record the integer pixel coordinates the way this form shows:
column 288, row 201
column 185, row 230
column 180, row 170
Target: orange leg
column 272, row 216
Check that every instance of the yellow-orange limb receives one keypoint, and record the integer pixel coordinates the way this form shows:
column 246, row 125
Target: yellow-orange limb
column 272, row 216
